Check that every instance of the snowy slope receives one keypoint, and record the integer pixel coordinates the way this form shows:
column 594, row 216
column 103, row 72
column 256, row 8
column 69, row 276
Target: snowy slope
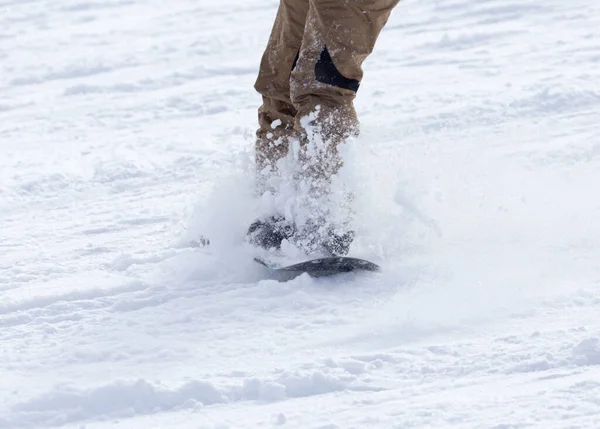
column 126, row 129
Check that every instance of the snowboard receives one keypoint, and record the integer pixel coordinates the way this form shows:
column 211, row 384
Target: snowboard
column 319, row 267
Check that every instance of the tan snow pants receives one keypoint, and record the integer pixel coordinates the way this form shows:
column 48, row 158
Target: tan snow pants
column 313, row 64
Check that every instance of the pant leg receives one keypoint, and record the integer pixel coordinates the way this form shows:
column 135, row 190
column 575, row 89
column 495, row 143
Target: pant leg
column 339, row 36
column 277, row 114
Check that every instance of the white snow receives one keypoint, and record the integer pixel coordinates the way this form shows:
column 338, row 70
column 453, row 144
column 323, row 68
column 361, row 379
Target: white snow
column 126, row 130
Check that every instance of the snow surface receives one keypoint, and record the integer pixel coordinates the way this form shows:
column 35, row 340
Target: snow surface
column 126, row 130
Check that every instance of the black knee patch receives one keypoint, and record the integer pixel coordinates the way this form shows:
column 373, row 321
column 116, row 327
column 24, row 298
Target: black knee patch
column 327, row 72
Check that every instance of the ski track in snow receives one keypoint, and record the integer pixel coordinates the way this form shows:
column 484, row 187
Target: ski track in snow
column 478, row 171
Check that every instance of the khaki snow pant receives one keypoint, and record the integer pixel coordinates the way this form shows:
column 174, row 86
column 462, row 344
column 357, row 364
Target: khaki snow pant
column 313, row 65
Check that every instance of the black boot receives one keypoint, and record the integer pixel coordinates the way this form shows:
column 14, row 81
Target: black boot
column 318, row 238
column 338, row 244
column 270, row 233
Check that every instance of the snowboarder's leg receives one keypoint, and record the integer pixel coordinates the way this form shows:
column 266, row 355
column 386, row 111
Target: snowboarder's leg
column 338, row 37
column 277, row 114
